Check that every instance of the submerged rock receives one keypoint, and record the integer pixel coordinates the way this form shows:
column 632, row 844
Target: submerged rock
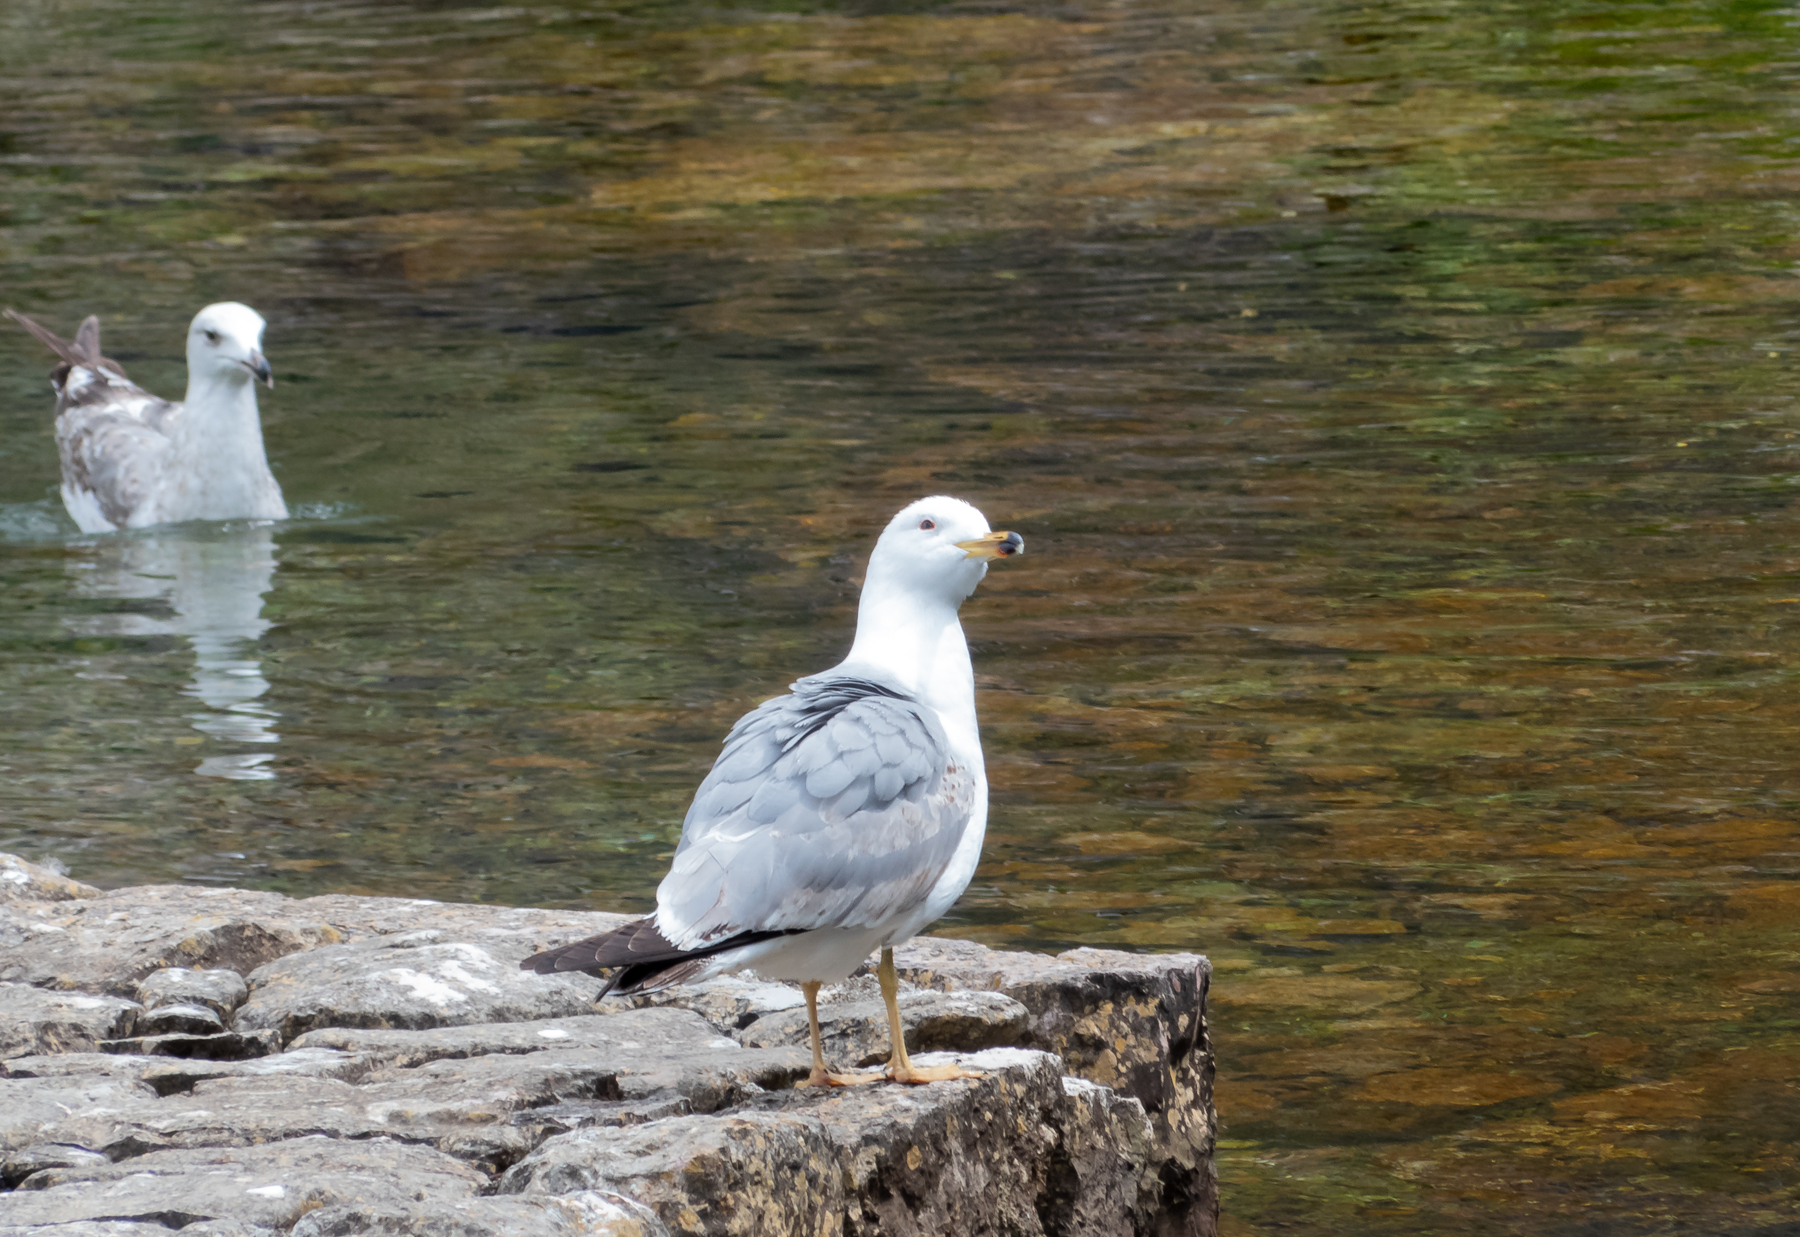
column 334, row 1066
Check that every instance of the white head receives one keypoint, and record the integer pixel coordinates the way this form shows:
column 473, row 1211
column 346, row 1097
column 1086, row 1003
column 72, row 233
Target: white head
column 937, row 548
column 225, row 345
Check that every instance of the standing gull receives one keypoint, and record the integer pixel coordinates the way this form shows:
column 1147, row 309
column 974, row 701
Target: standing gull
column 840, row 818
column 130, row 460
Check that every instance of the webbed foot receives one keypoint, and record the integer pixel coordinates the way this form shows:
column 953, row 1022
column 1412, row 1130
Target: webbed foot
column 917, row 1075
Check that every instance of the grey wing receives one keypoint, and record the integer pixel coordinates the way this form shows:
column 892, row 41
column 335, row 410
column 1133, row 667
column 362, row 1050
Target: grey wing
column 808, row 822
column 113, row 438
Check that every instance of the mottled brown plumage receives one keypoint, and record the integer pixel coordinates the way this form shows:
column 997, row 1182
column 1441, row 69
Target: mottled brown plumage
column 130, row 459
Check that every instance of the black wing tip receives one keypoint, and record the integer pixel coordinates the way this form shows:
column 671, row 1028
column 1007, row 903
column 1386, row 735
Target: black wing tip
column 640, row 958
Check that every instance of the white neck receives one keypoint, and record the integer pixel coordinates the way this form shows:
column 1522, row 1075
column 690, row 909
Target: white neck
column 919, row 646
column 221, row 415
column 219, row 470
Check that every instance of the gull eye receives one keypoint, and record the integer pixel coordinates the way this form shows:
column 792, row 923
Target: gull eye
column 212, row 337
column 927, row 524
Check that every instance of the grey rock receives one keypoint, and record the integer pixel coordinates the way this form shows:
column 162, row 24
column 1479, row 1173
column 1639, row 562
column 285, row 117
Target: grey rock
column 513, row 931
column 24, row 881
column 1098, row 1184
column 110, row 942
column 671, row 1031
column 90, row 1066
column 220, row 991
column 30, row 1107
column 635, row 1056
column 35, row 1021
column 410, row 980
column 131, row 1228
column 170, row 1076
column 742, row 1175
column 413, row 1035
column 856, row 1033
column 485, row 1095
column 585, row 1213
column 968, row 1157
column 971, row 1156
column 729, row 1002
column 180, row 1019
column 706, row 1081
column 227, row 1046
column 92, row 1228
column 25, row 1161
column 1133, row 1022
column 270, row 1186
column 219, row 1113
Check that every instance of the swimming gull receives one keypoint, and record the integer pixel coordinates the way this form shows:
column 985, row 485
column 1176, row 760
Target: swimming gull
column 843, row 817
column 130, row 460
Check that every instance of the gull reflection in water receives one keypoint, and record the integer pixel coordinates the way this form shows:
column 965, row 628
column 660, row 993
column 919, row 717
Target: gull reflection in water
column 211, row 579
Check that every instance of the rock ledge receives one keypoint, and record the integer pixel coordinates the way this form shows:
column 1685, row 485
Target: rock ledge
column 227, row 1063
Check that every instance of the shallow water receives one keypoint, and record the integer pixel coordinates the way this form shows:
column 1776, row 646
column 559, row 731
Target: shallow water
column 1395, row 402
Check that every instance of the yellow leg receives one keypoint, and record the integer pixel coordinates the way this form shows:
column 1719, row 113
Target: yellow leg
column 900, row 1066
column 820, row 1076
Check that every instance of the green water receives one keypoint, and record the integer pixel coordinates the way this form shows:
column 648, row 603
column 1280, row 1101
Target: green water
column 1396, row 402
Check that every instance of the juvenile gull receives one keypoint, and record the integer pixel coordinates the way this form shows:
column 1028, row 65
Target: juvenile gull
column 841, row 818
column 130, row 460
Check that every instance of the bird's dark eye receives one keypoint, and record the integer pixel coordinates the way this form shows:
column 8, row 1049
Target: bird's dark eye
column 928, row 524
column 212, row 337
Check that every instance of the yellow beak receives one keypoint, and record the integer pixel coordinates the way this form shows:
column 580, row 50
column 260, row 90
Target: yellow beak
column 994, row 545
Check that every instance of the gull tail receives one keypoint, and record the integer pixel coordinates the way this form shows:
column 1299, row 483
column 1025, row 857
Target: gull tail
column 83, row 351
column 641, row 958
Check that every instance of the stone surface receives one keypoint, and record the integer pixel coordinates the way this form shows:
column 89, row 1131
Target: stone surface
column 411, row 980
column 422, row 1071
column 585, row 1213
column 674, row 1031
column 855, row 1033
column 971, row 1156
column 111, row 942
column 220, row 991
column 23, row 881
column 181, row 1020
column 1101, row 1178
column 976, row 1156
column 35, row 1021
column 729, row 1002
column 271, row 1185
column 169, row 1077
column 130, row 1228
column 226, row 1046
column 1133, row 1022
column 484, row 1094
column 107, row 944
column 25, row 1161
column 741, row 1175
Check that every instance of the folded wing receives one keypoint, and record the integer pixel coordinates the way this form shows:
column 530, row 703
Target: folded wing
column 836, row 806
column 112, row 434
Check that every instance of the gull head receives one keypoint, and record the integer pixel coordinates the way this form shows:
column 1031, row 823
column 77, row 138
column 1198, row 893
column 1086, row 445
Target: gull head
column 939, row 547
column 225, row 345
